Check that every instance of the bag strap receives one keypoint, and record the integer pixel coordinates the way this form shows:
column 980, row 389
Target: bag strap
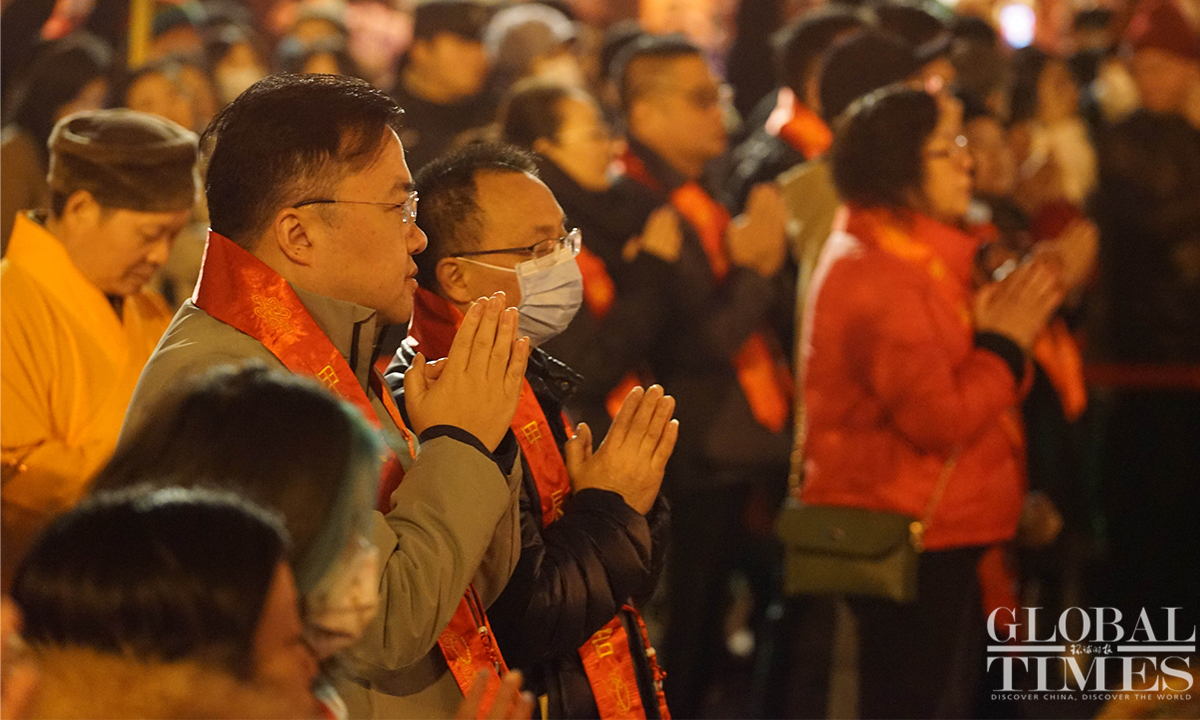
column 917, row 528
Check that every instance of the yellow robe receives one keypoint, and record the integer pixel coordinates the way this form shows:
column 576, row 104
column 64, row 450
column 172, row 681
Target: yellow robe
column 68, row 366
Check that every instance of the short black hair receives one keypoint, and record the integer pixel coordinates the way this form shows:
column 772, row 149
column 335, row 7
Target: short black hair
column 799, row 45
column 164, row 575
column 644, row 50
column 877, row 156
column 450, row 213
column 285, row 137
column 616, row 38
column 909, row 19
column 531, row 112
column 860, row 63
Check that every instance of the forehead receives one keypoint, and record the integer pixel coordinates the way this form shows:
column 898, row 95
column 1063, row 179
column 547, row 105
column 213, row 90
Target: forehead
column 385, row 177
column 517, row 210
column 688, row 71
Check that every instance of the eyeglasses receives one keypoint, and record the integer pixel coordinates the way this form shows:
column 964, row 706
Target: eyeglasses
column 409, row 206
column 958, row 146
column 572, row 241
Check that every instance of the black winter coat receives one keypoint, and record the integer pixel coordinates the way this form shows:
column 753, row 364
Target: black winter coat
column 603, row 350
column 719, row 440
column 574, row 575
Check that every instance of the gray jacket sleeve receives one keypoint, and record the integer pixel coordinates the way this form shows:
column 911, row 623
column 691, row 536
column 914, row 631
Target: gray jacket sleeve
column 454, row 520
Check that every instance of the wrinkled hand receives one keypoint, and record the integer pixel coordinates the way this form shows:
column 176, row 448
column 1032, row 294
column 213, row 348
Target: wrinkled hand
column 477, row 386
column 633, row 456
column 1019, row 306
column 1075, row 252
column 509, row 704
column 757, row 239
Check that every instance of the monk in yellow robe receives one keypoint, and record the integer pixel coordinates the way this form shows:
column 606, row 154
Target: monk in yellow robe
column 76, row 324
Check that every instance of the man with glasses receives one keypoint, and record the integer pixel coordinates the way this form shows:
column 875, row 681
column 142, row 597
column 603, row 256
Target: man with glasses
column 721, row 351
column 309, row 258
column 593, row 524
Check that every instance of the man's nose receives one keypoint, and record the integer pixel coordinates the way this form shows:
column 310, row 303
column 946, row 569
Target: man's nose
column 417, row 240
column 160, row 251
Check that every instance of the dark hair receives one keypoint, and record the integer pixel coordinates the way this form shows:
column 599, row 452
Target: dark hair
column 876, row 156
column 279, row 439
column 531, row 111
column 288, row 136
column 616, row 38
column 861, row 63
column 973, row 106
column 61, row 70
column 1028, row 64
column 799, row 45
column 1097, row 18
column 973, row 29
column 912, row 21
column 645, row 50
column 165, row 575
column 450, row 213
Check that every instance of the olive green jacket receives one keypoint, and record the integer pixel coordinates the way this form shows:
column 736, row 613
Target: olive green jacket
column 454, row 520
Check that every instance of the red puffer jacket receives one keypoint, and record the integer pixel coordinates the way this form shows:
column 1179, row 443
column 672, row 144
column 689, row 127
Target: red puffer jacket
column 895, row 384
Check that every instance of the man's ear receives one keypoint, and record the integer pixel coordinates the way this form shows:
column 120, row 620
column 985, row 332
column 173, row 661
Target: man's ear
column 452, row 281
column 290, row 231
column 81, row 207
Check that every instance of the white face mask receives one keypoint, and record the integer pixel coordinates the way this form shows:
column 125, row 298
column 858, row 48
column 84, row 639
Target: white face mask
column 344, row 601
column 551, row 293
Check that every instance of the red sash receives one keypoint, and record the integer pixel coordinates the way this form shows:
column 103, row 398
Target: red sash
column 607, row 658
column 241, row 291
column 762, row 371
column 806, row 131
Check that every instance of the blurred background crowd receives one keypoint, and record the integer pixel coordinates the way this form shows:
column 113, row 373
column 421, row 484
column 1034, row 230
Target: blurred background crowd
column 1056, row 133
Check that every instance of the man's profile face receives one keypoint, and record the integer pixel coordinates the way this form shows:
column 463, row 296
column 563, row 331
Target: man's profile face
column 687, row 99
column 363, row 252
column 120, row 250
column 517, row 210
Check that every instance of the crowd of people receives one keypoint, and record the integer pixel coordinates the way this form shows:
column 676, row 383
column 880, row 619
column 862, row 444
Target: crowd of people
column 278, row 301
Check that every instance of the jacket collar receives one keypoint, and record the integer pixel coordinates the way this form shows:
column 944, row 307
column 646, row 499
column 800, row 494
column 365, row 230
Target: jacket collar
column 668, row 177
column 353, row 329
column 43, row 256
column 915, row 237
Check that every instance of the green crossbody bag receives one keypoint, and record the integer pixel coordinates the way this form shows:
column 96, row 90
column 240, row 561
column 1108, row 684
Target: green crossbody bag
column 851, row 551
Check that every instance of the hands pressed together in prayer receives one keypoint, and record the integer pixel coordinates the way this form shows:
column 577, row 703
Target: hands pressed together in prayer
column 477, row 385
column 633, row 456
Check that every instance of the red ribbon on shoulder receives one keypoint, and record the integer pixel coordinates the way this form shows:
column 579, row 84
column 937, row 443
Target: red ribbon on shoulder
column 242, row 291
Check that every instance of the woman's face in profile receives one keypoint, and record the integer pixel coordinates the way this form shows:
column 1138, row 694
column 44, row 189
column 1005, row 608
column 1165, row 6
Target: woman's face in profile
column 582, row 147
column 946, row 190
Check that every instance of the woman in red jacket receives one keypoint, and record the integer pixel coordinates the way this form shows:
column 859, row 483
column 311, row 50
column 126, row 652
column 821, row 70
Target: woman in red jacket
column 910, row 375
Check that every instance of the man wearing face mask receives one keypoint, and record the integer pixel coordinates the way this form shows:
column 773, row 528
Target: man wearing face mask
column 593, row 525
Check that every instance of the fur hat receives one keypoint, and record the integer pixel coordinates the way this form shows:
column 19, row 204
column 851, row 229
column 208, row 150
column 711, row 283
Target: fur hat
column 126, row 159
